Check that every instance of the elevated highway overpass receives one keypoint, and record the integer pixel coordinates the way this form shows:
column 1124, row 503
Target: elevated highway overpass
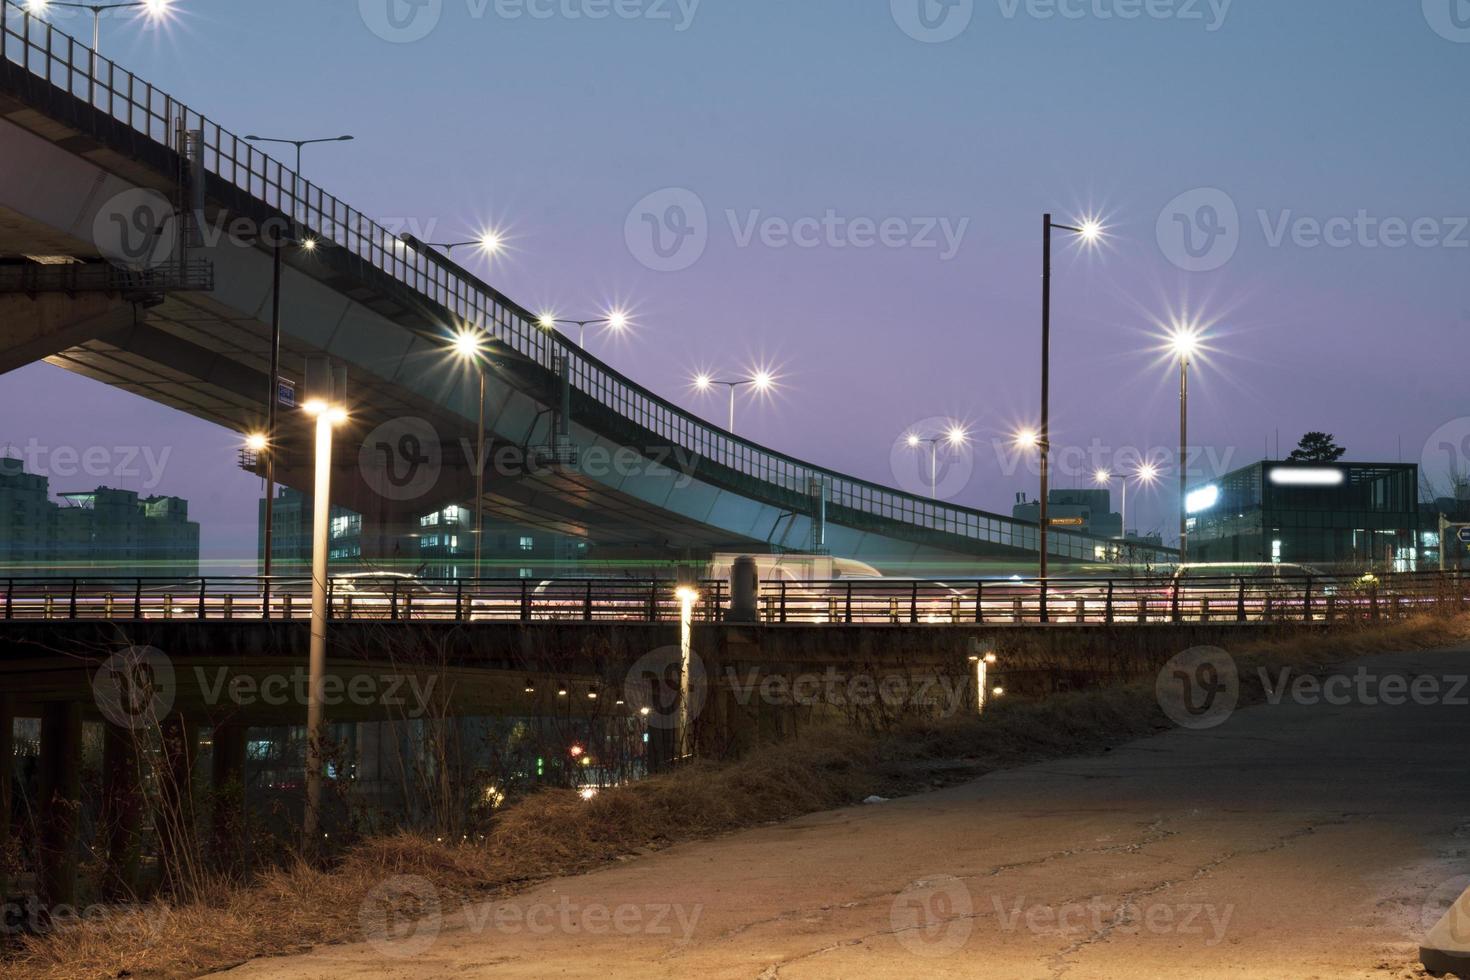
column 94, row 157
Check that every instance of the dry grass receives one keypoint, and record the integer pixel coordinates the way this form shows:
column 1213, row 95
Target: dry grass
column 556, row 832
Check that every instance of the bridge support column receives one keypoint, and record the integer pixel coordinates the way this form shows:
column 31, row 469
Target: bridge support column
column 227, row 797
column 61, row 793
column 7, row 773
column 174, row 820
column 122, row 811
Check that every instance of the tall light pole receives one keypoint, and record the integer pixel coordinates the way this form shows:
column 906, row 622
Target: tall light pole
column 154, row 9
column 1184, row 341
column 616, row 321
column 489, row 242
column 299, row 144
column 761, row 381
column 1090, row 232
column 267, row 440
column 326, row 402
column 954, row 438
column 470, row 346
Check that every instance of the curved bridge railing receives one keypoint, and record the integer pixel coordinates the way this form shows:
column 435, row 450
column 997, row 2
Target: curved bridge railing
column 43, row 52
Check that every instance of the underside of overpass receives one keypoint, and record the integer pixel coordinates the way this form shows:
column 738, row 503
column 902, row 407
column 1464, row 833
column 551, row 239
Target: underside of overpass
column 629, row 474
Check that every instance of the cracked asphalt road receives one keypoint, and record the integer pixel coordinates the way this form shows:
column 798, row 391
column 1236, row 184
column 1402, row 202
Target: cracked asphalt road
column 1293, row 841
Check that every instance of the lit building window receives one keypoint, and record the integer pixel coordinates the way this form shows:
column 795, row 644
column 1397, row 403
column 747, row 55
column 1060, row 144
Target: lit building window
column 429, row 520
column 528, row 544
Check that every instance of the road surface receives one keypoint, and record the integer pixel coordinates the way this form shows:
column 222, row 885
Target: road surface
column 1295, row 840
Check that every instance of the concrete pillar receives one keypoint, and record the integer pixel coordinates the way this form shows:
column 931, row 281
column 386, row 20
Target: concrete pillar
column 122, row 811
column 174, row 821
column 60, row 799
column 7, row 774
column 227, row 797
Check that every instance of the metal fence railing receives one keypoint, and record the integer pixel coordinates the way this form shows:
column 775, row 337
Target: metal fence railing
column 1131, row 602
column 43, row 52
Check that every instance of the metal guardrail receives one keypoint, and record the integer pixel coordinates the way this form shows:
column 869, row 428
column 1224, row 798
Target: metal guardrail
column 82, row 277
column 1137, row 602
column 70, row 65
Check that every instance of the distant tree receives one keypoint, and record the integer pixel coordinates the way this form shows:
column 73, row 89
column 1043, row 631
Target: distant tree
column 1317, row 447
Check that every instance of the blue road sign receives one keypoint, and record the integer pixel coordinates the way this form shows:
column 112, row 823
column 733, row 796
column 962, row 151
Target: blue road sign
column 286, row 392
column 1464, row 535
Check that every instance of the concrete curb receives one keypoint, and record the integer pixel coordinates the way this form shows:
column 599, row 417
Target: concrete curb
column 1446, row 948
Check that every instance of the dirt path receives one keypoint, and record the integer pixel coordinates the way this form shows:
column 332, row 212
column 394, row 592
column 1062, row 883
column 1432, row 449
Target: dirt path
column 1292, row 841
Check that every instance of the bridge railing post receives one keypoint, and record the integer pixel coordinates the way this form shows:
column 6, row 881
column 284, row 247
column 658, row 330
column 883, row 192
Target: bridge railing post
column 72, row 613
column 525, row 601
column 782, row 601
column 10, row 598
column 1175, row 612
column 1307, row 601
column 138, row 598
column 979, row 601
column 587, row 604
column 914, row 603
column 1108, row 604
column 393, row 603
column 459, row 600
column 1240, row 602
column 847, row 611
column 203, row 588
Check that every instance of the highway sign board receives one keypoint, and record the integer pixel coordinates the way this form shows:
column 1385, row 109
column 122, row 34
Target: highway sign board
column 1463, row 534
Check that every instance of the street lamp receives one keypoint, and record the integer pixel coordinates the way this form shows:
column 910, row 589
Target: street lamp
column 762, row 381
column 299, row 144
column 272, row 398
column 1090, row 231
column 469, row 346
column 326, row 402
column 1184, row 341
column 1146, row 474
column 616, row 321
column 955, row 438
column 152, row 9
column 489, row 242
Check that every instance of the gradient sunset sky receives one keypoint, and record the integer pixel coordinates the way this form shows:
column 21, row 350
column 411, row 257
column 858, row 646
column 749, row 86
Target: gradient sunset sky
column 554, row 129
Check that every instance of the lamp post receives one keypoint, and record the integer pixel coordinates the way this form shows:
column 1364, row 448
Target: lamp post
column 489, row 242
column 1184, row 342
column 1090, row 232
column 761, row 381
column 326, row 397
column 954, row 438
column 267, row 440
column 616, row 321
column 154, row 9
column 469, row 345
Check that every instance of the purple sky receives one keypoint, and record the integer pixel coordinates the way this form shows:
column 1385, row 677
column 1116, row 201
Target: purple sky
column 553, row 128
